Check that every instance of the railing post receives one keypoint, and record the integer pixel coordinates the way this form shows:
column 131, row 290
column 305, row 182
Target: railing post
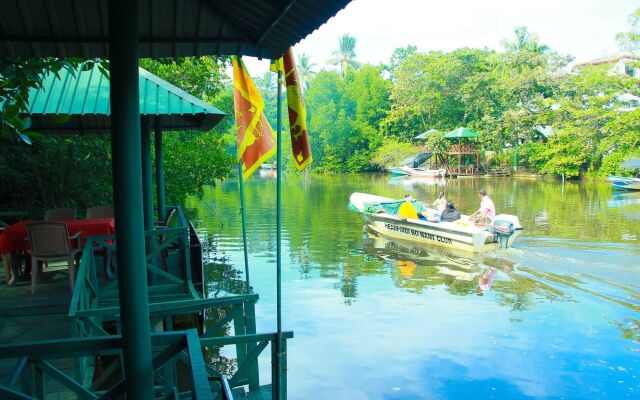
column 40, row 386
column 127, row 193
column 147, row 186
column 239, row 328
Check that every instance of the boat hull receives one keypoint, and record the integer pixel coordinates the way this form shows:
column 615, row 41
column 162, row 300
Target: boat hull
column 462, row 234
column 624, row 183
column 417, row 172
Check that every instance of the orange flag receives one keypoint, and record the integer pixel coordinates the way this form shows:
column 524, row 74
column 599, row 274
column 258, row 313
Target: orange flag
column 256, row 138
column 297, row 114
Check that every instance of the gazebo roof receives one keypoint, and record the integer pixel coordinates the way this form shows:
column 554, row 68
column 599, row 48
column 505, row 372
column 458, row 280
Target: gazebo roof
column 168, row 28
column 80, row 102
column 461, row 133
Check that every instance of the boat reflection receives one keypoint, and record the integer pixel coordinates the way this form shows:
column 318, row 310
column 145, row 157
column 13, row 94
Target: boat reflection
column 417, row 268
column 622, row 199
column 410, row 182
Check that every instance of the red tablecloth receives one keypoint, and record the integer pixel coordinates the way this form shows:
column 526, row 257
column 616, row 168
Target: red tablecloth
column 13, row 238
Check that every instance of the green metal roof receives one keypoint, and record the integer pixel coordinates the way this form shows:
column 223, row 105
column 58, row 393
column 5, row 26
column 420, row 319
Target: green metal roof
column 425, row 135
column 167, row 28
column 84, row 97
column 461, row 133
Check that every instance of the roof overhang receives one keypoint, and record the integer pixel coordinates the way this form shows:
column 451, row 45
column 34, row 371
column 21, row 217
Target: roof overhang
column 168, row 28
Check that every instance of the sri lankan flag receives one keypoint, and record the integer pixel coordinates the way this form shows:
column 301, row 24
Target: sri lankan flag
column 256, row 139
column 297, row 112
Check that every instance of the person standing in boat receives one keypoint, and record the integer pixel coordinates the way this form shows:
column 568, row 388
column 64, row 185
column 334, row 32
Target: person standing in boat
column 441, row 203
column 487, row 211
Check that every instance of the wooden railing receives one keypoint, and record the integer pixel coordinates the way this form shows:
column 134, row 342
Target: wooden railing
column 38, row 364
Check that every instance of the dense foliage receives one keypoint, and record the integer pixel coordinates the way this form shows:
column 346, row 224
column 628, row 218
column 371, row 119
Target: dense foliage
column 75, row 170
column 365, row 117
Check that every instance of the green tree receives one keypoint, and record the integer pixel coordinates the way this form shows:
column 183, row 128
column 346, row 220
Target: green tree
column 345, row 118
column 345, row 56
column 306, row 70
column 630, row 41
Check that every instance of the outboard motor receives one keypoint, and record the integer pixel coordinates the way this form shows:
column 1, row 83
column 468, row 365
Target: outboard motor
column 502, row 231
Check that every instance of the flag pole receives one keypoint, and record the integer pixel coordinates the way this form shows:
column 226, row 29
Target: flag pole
column 279, row 388
column 244, row 226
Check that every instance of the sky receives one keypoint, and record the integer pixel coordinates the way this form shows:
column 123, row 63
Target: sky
column 583, row 28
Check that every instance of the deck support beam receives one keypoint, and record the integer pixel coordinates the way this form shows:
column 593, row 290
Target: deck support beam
column 162, row 207
column 127, row 201
column 147, row 176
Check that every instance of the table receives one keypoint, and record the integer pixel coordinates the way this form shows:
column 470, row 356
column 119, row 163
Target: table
column 13, row 238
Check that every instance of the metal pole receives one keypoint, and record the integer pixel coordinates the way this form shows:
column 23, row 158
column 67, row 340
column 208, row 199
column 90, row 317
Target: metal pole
column 147, row 176
column 162, row 208
column 127, row 198
column 280, row 390
column 244, row 227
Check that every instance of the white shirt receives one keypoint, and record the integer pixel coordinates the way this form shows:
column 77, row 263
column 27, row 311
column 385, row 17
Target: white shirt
column 487, row 204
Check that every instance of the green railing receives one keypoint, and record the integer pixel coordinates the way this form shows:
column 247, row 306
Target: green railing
column 39, row 371
column 94, row 310
column 92, row 314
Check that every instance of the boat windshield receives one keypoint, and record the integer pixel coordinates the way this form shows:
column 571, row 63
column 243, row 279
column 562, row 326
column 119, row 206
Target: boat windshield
column 391, row 207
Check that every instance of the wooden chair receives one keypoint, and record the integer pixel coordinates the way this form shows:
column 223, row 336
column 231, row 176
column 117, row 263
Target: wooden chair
column 99, row 212
column 60, row 214
column 50, row 242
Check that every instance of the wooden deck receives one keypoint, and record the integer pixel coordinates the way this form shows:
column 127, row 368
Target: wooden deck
column 43, row 316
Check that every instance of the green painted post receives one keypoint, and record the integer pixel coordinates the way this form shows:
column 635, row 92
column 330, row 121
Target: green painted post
column 279, row 381
column 127, row 198
column 244, row 227
column 147, row 176
column 250, row 328
column 162, row 207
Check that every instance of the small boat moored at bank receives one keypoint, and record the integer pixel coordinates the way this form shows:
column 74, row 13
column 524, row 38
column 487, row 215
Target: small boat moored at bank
column 627, row 183
column 411, row 167
column 381, row 215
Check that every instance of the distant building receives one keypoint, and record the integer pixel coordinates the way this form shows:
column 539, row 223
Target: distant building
column 620, row 64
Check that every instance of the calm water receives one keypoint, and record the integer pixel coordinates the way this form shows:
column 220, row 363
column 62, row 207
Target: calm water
column 557, row 316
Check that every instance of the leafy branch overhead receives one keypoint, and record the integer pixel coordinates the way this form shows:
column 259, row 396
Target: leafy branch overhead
column 18, row 76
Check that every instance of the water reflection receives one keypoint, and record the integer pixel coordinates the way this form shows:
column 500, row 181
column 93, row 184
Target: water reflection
column 622, row 199
column 558, row 314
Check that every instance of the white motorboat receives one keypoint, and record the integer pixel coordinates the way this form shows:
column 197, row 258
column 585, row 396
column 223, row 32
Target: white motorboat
column 381, row 215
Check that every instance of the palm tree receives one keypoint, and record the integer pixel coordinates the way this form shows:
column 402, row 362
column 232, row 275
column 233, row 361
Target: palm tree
column 345, row 56
column 305, row 70
column 525, row 41
column 267, row 83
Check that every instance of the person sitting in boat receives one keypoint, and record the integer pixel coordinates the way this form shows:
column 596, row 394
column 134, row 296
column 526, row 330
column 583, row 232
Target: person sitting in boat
column 408, row 210
column 450, row 214
column 487, row 211
column 441, row 203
